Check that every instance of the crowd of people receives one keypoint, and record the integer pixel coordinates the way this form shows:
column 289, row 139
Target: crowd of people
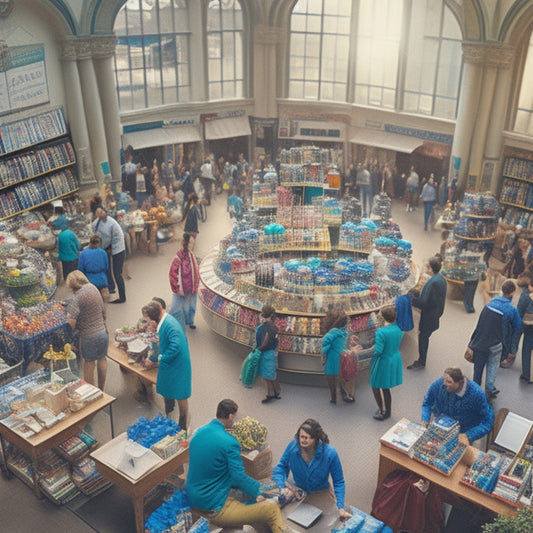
column 309, row 461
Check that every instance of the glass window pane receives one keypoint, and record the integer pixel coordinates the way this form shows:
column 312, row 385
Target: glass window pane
column 296, row 89
column 311, row 90
column 151, row 50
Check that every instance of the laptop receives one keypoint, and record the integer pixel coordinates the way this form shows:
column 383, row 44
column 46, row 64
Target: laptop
column 305, row 515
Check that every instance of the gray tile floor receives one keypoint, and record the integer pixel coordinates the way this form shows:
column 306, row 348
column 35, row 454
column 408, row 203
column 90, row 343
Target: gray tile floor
column 216, row 365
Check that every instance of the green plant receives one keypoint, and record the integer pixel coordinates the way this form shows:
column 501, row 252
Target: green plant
column 522, row 522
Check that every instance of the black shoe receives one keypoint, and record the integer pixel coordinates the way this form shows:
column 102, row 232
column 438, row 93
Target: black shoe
column 192, row 326
column 492, row 394
column 523, row 378
column 277, row 397
column 268, row 399
column 416, row 364
column 334, row 402
column 119, row 301
column 379, row 415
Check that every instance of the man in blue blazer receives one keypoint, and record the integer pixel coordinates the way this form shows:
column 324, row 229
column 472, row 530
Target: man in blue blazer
column 431, row 305
column 174, row 373
column 215, row 467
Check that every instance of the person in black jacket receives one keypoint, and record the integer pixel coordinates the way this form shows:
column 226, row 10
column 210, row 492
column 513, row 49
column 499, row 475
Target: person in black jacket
column 431, row 305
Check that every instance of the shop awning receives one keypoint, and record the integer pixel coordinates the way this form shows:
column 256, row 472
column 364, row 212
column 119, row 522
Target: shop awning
column 385, row 139
column 161, row 136
column 225, row 128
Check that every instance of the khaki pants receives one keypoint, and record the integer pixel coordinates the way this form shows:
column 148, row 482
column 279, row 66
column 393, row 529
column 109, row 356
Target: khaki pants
column 236, row 514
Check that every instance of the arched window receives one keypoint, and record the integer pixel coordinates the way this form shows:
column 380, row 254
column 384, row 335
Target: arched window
column 319, row 49
column 401, row 55
column 524, row 113
column 225, row 49
column 379, row 29
column 433, row 61
column 152, row 54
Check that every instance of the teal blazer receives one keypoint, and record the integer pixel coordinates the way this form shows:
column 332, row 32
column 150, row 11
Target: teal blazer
column 174, row 374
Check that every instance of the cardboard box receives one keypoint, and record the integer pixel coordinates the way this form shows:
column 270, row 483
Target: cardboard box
column 56, row 401
column 258, row 463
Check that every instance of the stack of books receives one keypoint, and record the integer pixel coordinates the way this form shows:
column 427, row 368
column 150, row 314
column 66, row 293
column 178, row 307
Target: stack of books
column 439, row 445
column 403, row 435
column 483, row 474
column 512, row 481
column 55, row 479
column 87, row 478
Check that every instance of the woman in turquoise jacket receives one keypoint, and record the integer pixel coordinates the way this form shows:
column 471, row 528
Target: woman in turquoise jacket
column 312, row 461
column 386, row 368
column 333, row 344
column 174, row 373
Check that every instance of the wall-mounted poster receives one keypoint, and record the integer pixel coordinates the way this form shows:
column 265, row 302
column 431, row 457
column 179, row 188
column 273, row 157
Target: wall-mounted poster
column 25, row 83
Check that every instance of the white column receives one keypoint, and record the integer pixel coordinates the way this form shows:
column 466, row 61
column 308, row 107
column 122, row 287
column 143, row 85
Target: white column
column 467, row 111
column 76, row 114
column 197, row 53
column 266, row 40
column 93, row 107
column 103, row 51
column 498, row 113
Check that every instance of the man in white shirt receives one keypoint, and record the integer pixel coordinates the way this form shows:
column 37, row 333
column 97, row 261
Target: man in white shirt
column 114, row 244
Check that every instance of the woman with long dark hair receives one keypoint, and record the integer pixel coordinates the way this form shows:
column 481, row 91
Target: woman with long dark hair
column 311, row 460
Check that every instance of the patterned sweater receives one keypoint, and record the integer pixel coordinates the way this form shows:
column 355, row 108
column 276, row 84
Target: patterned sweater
column 471, row 410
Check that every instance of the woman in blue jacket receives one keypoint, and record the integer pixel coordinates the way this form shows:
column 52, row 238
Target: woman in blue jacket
column 333, row 344
column 312, row 460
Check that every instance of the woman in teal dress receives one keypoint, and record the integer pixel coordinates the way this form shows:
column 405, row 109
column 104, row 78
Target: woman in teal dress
column 386, row 369
column 333, row 344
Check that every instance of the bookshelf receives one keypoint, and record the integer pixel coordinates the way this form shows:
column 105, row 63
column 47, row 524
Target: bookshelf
column 517, row 191
column 37, row 162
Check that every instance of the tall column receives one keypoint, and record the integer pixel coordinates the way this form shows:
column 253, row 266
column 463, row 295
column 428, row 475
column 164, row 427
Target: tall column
column 93, row 106
column 103, row 52
column 266, row 39
column 498, row 114
column 478, row 135
column 76, row 113
column 467, row 110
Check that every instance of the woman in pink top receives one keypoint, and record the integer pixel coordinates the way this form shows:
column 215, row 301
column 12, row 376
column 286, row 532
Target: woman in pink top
column 184, row 279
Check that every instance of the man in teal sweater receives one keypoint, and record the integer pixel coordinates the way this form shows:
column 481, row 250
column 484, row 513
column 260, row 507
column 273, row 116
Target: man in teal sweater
column 215, row 467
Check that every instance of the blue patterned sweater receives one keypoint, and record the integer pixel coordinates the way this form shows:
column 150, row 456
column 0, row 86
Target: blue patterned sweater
column 472, row 410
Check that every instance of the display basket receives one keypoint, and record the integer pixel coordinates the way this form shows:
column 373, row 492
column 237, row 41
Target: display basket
column 16, row 349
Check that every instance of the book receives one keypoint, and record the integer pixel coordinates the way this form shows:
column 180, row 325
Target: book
column 403, row 435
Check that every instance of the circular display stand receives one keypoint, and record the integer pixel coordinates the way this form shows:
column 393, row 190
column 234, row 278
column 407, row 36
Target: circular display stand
column 232, row 310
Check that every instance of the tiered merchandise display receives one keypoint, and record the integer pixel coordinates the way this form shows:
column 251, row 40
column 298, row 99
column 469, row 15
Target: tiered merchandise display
column 472, row 237
column 30, row 323
column 36, row 162
column 292, row 264
column 517, row 191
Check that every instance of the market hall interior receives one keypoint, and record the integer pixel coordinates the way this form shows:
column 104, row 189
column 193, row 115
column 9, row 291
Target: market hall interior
column 216, row 364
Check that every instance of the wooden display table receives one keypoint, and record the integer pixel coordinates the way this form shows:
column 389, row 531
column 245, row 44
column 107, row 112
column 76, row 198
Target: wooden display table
column 391, row 459
column 35, row 446
column 145, row 239
column 136, row 489
column 121, row 357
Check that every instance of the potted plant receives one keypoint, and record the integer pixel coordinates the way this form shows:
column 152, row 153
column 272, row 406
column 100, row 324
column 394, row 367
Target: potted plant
column 522, row 522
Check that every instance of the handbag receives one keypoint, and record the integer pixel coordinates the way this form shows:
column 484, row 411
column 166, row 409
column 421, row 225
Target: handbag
column 469, row 355
column 348, row 365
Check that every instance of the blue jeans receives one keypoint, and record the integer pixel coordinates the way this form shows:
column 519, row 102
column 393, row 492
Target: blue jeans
column 428, row 209
column 365, row 196
column 527, row 347
column 491, row 358
column 183, row 308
